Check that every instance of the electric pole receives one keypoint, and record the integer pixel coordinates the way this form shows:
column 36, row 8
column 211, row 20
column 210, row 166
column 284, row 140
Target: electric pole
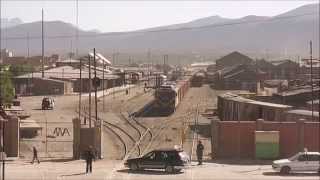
column 311, row 76
column 89, row 91
column 42, row 31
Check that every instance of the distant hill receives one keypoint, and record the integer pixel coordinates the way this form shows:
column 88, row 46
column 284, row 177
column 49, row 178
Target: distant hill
column 287, row 33
column 6, row 23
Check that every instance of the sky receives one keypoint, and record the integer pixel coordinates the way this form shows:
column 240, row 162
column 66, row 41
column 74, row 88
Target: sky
column 118, row 16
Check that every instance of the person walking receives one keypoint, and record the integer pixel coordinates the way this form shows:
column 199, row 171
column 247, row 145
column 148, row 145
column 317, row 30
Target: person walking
column 89, row 157
column 200, row 149
column 35, row 155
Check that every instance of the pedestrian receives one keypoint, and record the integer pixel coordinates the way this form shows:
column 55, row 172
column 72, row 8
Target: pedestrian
column 89, row 157
column 35, row 155
column 200, row 148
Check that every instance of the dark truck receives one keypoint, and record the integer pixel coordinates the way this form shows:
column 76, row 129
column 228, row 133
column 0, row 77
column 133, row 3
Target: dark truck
column 171, row 160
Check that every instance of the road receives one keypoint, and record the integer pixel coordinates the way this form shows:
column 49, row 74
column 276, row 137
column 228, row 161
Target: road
column 113, row 169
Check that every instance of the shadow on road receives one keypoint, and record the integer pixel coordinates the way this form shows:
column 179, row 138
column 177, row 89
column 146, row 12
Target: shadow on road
column 240, row 162
column 75, row 174
column 58, row 160
column 150, row 172
column 291, row 174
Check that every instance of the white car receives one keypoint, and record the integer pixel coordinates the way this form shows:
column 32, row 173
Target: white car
column 301, row 162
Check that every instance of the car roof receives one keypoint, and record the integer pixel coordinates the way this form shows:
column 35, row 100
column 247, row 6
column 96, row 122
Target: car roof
column 310, row 153
column 168, row 149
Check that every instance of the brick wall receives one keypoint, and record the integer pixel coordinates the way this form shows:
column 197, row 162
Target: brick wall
column 233, row 139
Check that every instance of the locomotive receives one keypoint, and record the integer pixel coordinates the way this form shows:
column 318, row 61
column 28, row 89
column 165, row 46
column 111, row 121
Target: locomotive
column 198, row 79
column 169, row 95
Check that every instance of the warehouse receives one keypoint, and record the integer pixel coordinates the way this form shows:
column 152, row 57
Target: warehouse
column 232, row 107
column 63, row 80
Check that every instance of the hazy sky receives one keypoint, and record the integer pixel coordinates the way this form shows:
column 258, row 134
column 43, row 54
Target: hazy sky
column 112, row 16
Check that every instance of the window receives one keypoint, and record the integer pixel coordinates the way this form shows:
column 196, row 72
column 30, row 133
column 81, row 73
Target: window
column 302, row 158
column 313, row 157
column 150, row 155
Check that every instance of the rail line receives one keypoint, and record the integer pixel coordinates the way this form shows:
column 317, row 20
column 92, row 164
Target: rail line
column 112, row 127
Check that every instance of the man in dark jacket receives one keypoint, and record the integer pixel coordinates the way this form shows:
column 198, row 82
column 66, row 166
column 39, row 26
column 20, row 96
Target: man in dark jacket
column 35, row 155
column 89, row 157
column 200, row 148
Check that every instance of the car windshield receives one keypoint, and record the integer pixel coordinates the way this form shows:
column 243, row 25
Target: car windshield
column 295, row 157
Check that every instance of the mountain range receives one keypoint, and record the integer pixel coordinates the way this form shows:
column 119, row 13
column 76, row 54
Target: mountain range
column 285, row 34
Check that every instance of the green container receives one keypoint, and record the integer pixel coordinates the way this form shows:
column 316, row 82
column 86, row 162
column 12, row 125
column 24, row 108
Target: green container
column 265, row 150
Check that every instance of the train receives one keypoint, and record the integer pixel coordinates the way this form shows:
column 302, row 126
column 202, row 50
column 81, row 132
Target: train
column 169, row 95
column 198, row 79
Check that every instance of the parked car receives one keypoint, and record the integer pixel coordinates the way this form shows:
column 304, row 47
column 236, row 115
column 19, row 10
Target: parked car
column 47, row 103
column 171, row 160
column 302, row 161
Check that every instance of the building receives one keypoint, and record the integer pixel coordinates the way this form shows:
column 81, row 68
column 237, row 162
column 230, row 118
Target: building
column 238, row 77
column 63, row 80
column 232, row 107
column 34, row 61
column 285, row 69
column 233, row 59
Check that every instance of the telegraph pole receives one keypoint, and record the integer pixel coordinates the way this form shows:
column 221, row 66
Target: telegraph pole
column 90, row 91
column 311, row 76
column 95, row 84
column 42, row 31
column 103, row 65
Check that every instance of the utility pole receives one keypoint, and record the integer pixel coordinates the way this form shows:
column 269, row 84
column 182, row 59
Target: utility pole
column 77, row 38
column 42, row 30
column 311, row 76
column 28, row 46
column 90, row 91
column 149, row 57
column 95, row 85
column 103, row 67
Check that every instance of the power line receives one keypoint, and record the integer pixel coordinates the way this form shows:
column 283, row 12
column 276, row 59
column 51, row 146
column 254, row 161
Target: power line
column 163, row 30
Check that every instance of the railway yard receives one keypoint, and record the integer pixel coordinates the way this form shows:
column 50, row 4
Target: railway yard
column 127, row 136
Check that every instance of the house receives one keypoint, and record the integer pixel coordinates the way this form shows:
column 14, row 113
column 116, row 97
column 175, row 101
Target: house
column 233, row 59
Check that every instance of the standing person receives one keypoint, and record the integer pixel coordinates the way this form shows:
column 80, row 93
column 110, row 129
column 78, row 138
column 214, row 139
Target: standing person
column 200, row 148
column 35, row 155
column 89, row 157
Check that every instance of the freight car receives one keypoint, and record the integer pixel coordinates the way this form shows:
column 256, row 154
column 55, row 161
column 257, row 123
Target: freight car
column 198, row 79
column 169, row 95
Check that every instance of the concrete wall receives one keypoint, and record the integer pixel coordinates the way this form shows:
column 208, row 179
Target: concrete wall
column 232, row 139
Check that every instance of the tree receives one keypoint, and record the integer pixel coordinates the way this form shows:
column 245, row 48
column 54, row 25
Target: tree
column 6, row 86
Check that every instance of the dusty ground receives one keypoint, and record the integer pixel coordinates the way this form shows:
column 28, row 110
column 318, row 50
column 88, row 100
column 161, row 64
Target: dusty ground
column 166, row 133
column 111, row 169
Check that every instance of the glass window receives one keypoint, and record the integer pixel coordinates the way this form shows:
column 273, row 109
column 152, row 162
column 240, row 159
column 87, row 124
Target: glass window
column 302, row 158
column 313, row 157
column 150, row 155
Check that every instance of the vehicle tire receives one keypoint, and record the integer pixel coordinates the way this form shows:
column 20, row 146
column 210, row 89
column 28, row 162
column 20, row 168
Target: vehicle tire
column 285, row 170
column 133, row 166
column 169, row 169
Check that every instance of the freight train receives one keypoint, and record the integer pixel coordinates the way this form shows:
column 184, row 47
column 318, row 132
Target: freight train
column 169, row 95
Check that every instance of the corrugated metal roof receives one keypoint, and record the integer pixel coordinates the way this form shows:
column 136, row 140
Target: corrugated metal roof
column 303, row 112
column 235, row 97
column 68, row 72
